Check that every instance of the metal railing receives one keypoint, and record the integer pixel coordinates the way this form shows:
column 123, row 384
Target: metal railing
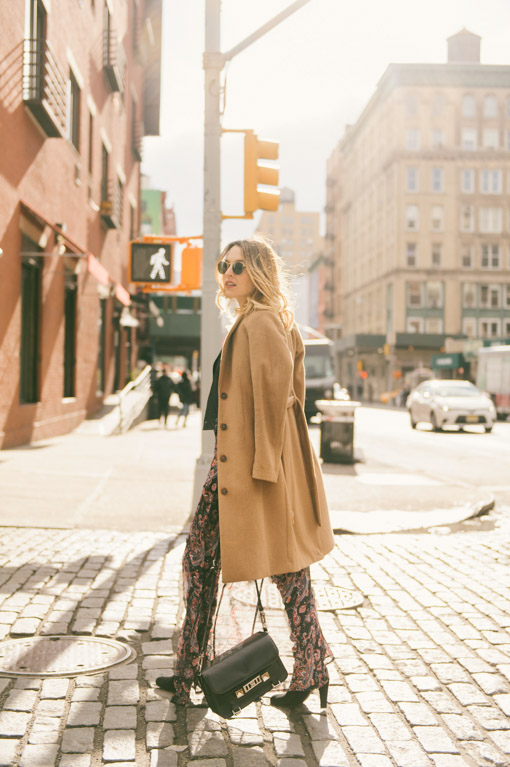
column 133, row 399
column 112, row 200
column 114, row 61
column 44, row 85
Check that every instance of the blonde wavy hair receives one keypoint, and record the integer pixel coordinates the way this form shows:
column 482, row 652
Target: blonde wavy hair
column 265, row 269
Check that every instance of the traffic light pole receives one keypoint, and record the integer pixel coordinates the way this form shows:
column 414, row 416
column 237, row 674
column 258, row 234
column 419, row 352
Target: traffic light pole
column 210, row 328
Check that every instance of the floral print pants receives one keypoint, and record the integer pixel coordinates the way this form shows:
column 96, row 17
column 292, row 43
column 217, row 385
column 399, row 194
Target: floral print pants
column 200, row 581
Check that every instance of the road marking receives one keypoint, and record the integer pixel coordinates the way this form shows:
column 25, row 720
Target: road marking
column 397, row 479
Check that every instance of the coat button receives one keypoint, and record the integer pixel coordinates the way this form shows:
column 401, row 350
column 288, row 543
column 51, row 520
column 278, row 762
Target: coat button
column 224, row 491
column 223, row 458
column 224, row 395
column 223, row 426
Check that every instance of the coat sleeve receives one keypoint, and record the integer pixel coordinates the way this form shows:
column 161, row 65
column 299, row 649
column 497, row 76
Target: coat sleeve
column 271, row 374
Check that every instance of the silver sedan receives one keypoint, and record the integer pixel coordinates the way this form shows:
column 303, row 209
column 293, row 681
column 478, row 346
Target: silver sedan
column 450, row 403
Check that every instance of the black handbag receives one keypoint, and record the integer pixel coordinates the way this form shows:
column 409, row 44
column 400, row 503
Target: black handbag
column 244, row 673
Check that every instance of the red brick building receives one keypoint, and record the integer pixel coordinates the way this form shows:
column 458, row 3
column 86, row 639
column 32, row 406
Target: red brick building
column 79, row 87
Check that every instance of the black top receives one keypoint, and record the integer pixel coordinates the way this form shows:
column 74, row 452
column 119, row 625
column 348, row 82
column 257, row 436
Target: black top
column 211, row 411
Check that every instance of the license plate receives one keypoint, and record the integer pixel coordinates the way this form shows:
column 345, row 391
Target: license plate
column 471, row 419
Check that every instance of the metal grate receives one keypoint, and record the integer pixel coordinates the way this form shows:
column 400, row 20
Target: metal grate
column 61, row 656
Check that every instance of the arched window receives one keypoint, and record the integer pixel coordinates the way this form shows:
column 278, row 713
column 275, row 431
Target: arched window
column 490, row 106
column 468, row 106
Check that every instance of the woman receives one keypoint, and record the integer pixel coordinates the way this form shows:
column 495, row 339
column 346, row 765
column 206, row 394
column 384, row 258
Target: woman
column 263, row 504
column 185, row 393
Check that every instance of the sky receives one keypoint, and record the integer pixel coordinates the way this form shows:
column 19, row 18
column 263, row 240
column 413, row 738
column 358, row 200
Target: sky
column 300, row 84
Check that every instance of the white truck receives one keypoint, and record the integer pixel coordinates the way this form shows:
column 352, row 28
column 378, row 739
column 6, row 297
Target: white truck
column 493, row 376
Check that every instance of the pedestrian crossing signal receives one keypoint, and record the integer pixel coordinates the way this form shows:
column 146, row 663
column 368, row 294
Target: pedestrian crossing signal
column 151, row 263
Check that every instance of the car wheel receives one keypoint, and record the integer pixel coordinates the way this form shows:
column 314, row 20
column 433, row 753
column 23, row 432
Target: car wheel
column 413, row 422
column 433, row 421
column 488, row 429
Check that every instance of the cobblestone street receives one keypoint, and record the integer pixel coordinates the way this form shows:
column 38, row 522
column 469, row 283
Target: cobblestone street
column 421, row 676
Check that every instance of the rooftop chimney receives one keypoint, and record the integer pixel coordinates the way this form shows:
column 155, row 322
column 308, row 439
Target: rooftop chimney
column 464, row 47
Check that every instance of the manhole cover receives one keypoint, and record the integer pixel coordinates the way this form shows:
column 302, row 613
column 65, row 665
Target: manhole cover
column 336, row 598
column 61, row 656
column 326, row 597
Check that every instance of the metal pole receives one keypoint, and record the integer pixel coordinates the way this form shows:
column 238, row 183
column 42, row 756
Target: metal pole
column 210, row 327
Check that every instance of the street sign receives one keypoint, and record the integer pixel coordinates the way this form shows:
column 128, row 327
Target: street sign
column 151, row 262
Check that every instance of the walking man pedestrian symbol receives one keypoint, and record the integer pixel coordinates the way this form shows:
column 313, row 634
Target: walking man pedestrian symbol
column 158, row 262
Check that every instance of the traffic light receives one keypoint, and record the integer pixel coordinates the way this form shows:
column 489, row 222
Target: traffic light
column 151, row 262
column 256, row 149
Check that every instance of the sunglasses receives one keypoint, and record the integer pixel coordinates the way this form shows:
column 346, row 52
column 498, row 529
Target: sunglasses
column 237, row 267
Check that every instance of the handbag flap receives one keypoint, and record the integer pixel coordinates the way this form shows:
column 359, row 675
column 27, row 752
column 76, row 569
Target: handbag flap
column 244, row 660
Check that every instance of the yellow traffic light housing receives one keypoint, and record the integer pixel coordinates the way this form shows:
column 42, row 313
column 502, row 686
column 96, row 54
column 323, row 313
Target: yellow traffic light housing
column 256, row 174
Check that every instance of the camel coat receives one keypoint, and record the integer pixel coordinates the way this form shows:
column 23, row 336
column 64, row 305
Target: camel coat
column 273, row 512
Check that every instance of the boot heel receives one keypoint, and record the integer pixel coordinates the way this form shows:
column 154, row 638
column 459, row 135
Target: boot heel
column 323, row 694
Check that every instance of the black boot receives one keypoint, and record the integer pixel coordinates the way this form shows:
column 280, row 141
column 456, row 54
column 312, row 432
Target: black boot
column 294, row 698
column 166, row 683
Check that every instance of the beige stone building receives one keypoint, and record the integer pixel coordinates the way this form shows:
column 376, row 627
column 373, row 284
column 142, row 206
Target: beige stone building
column 296, row 236
column 418, row 220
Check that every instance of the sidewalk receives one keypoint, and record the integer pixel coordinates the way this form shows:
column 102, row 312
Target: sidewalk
column 421, row 676
column 144, row 479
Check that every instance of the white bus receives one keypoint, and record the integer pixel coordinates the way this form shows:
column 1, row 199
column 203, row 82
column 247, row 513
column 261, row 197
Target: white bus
column 493, row 376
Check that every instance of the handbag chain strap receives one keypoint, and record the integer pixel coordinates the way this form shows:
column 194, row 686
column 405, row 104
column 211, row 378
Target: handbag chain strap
column 259, row 610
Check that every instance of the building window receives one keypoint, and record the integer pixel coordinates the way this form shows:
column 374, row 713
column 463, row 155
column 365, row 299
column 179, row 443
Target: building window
column 467, row 218
column 101, row 355
column 467, row 181
column 411, row 255
column 490, row 106
column 491, row 181
column 437, row 254
column 490, row 296
column 490, row 328
column 491, row 220
column 434, row 295
column 30, row 318
column 69, row 333
column 507, row 328
column 437, row 179
column 434, row 325
column 74, row 111
column 469, row 295
column 415, row 295
column 437, row 139
column 413, row 139
column 412, row 179
column 491, row 138
column 507, row 142
column 507, row 296
column 468, row 106
column 132, row 221
column 469, row 327
column 466, row 256
column 469, row 139
column 412, row 217
column 491, row 256
column 105, row 161
column 437, row 218
column 414, row 325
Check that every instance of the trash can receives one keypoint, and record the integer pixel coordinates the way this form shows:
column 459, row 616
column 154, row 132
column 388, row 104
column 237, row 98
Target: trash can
column 337, row 430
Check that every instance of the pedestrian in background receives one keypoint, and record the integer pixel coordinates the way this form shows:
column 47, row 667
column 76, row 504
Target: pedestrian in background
column 185, row 392
column 263, row 505
column 163, row 387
